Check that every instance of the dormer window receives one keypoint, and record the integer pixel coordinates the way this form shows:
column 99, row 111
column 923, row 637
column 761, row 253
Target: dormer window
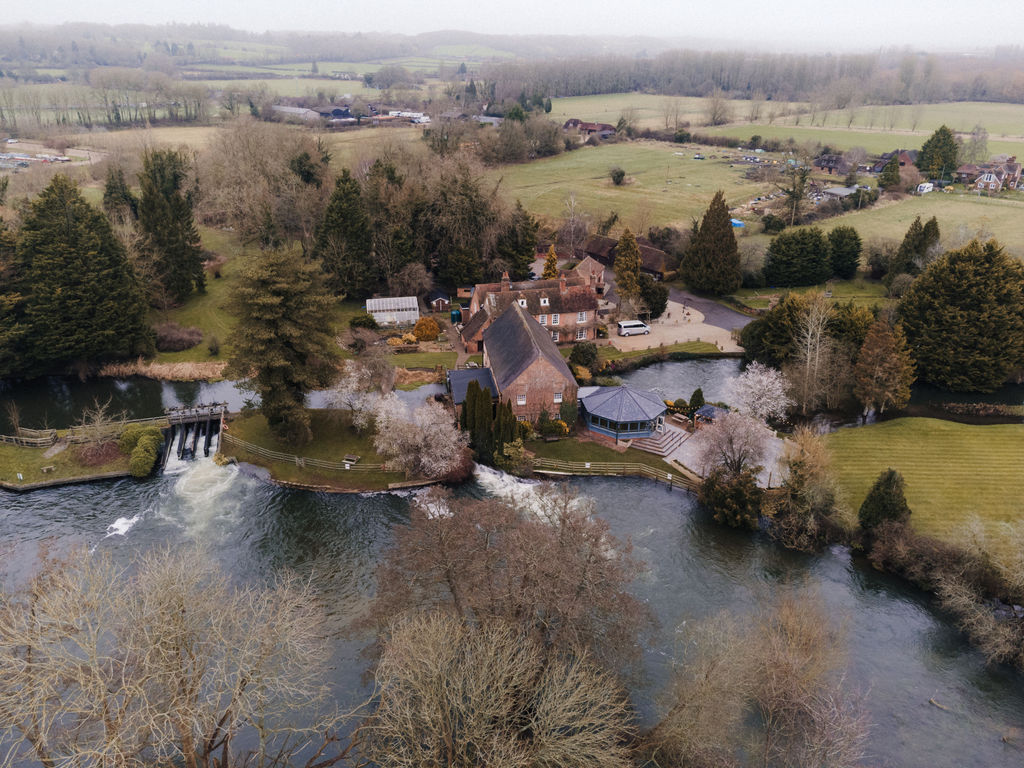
column 544, row 301
column 522, row 302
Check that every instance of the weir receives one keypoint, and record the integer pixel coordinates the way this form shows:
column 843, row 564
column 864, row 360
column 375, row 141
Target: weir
column 191, row 427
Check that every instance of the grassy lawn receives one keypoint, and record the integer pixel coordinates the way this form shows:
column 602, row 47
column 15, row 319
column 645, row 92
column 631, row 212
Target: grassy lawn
column 862, row 292
column 952, row 471
column 664, row 184
column 425, row 359
column 331, row 442
column 693, row 347
column 30, row 461
column 570, row 449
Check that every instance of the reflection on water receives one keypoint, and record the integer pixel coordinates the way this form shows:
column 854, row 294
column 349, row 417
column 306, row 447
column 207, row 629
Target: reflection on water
column 901, row 651
column 673, row 380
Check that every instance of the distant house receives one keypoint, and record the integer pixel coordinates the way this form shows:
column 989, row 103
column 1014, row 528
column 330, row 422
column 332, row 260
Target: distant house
column 907, row 157
column 394, row 310
column 586, row 130
column 653, row 261
column 527, row 368
column 832, row 164
column 439, row 301
column 992, row 176
column 296, row 113
column 838, row 193
column 591, row 269
column 622, row 412
column 566, row 307
column 488, row 120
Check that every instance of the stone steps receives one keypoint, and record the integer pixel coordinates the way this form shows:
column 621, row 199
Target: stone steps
column 662, row 444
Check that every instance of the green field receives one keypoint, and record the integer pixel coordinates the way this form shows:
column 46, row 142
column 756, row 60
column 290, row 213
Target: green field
column 952, row 471
column 570, row 449
column 1000, row 120
column 664, row 184
column 30, row 461
column 863, row 293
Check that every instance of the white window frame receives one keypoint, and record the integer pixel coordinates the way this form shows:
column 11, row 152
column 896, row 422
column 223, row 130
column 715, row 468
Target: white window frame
column 554, row 319
column 558, row 397
column 542, row 319
column 581, row 317
column 554, row 336
column 520, row 399
column 581, row 334
column 544, row 301
column 522, row 302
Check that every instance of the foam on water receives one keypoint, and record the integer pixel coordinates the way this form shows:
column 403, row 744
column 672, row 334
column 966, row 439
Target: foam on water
column 204, row 496
column 525, row 494
column 122, row 525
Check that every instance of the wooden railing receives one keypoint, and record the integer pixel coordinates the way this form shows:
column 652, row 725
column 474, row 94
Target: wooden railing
column 45, row 438
column 299, row 461
column 613, row 468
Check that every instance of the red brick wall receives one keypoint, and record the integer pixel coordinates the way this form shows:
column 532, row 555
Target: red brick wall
column 539, row 383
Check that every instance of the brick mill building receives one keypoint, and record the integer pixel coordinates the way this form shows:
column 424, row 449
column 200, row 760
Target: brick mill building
column 566, row 307
column 525, row 364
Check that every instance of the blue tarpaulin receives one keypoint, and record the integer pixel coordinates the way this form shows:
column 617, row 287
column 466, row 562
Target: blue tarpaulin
column 737, row 223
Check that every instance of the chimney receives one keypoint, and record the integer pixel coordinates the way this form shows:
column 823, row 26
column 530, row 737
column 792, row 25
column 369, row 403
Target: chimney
column 505, row 284
column 561, row 284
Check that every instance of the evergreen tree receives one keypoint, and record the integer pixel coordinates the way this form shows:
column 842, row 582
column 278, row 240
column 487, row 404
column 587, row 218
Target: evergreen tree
column 798, row 257
column 939, row 155
column 117, row 197
column 550, row 265
column 12, row 304
column 517, row 242
column 654, row 296
column 769, row 339
column 885, row 502
column 913, row 251
column 482, row 435
column 506, row 427
column 696, row 400
column 844, row 247
column 890, row 175
column 712, row 262
column 166, row 222
column 884, row 370
column 627, row 267
column 344, row 241
column 82, row 301
column 284, row 343
column 964, row 318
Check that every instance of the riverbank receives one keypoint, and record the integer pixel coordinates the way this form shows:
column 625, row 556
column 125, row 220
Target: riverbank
column 25, row 468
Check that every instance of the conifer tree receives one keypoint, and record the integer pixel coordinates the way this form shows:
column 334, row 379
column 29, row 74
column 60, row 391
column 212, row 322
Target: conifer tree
column 117, row 196
column 964, row 318
column 166, row 222
column 844, row 247
column 939, row 155
column 12, row 304
column 344, row 240
column 884, row 370
column 890, row 175
column 913, row 251
column 284, row 343
column 82, row 301
column 712, row 262
column 798, row 257
column 550, row 264
column 627, row 267
column 885, row 502
column 517, row 243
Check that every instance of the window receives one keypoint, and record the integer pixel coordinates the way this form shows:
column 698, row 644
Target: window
column 543, row 320
column 522, row 302
column 558, row 397
column 554, row 336
column 554, row 319
column 581, row 317
column 543, row 301
column 581, row 333
column 520, row 418
column 520, row 399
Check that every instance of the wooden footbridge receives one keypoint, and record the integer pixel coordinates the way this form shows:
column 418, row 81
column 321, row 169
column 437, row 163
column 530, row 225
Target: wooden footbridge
column 193, row 426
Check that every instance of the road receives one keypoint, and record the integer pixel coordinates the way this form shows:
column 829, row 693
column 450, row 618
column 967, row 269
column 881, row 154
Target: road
column 714, row 313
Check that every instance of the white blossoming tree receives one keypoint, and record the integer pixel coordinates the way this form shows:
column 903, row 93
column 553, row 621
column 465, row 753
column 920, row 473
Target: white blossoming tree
column 760, row 392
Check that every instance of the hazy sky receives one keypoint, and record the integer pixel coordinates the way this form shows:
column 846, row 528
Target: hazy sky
column 789, row 24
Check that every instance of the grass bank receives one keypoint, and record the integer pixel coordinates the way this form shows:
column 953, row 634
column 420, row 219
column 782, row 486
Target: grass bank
column 67, row 466
column 332, row 441
column 952, row 471
column 570, row 449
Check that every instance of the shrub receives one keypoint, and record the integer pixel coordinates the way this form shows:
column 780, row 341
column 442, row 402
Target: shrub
column 214, row 346
column 584, row 353
column 734, row 500
column 681, row 136
column 171, row 337
column 395, row 341
column 364, row 320
column 582, row 374
column 899, row 285
column 569, row 411
column 618, row 176
column 426, row 329
column 409, row 338
column 141, row 462
column 134, row 433
column 885, row 502
column 772, row 224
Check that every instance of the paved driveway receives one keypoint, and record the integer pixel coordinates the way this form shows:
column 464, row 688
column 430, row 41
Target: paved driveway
column 678, row 324
column 713, row 312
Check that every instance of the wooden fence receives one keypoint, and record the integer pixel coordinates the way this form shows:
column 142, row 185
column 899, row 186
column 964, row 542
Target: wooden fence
column 299, row 461
column 32, row 438
column 615, row 469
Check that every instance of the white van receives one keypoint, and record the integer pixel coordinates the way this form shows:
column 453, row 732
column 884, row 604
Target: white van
column 633, row 328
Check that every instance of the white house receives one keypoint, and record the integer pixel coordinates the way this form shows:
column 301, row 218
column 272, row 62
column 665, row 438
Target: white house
column 394, row 310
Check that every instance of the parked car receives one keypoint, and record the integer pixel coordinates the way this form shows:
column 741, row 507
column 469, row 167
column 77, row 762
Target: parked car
column 633, row 328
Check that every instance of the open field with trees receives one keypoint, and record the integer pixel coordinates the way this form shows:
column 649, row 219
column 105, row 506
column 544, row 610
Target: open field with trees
column 952, row 471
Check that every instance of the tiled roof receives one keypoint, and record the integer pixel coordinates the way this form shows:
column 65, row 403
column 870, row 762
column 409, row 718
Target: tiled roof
column 575, row 299
column 624, row 404
column 514, row 341
column 475, row 325
column 458, row 382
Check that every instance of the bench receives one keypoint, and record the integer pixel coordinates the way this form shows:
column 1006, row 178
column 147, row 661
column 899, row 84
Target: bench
column 351, row 458
column 47, row 470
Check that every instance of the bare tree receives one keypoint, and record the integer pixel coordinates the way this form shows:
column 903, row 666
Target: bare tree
column 355, row 392
column 735, row 442
column 450, row 694
column 575, row 225
column 174, row 666
column 760, row 391
column 756, row 105
column 814, row 354
column 542, row 562
column 717, row 109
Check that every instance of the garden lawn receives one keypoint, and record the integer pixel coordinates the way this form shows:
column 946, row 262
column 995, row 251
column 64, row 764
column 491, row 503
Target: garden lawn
column 424, row 359
column 332, row 441
column 608, row 352
column 570, row 449
column 952, row 471
column 30, row 461
column 864, row 293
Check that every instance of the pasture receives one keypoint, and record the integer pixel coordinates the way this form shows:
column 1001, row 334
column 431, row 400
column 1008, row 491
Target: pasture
column 952, row 471
column 664, row 184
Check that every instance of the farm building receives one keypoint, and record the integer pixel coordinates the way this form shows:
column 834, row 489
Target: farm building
column 394, row 310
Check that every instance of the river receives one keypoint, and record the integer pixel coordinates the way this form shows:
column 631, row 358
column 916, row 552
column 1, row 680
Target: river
column 902, row 651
